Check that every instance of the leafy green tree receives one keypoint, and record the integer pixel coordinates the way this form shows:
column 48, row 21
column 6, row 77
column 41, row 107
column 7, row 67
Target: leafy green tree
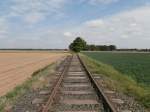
column 78, row 44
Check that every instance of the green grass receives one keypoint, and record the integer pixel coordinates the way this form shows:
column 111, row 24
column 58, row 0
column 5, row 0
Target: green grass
column 135, row 65
column 119, row 81
column 11, row 97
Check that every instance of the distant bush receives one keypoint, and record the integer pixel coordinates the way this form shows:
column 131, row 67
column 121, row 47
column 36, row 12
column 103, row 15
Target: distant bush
column 101, row 47
column 80, row 44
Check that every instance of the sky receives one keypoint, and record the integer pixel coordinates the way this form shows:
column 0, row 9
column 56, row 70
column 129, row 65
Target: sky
column 56, row 23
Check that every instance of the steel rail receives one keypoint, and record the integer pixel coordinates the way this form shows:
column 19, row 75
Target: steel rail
column 108, row 107
column 55, row 89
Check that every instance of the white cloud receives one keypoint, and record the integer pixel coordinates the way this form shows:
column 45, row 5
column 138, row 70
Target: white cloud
column 125, row 29
column 33, row 11
column 94, row 2
column 68, row 34
column 34, row 18
column 94, row 23
column 3, row 27
column 39, row 38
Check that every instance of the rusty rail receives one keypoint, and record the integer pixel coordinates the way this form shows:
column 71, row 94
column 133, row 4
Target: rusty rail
column 55, row 89
column 108, row 107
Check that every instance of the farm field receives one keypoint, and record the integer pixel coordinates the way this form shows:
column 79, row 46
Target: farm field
column 135, row 65
column 16, row 67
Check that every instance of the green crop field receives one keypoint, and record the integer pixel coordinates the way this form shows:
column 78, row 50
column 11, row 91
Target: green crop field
column 135, row 65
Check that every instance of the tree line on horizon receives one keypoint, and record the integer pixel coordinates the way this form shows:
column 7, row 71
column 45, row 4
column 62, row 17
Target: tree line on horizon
column 80, row 44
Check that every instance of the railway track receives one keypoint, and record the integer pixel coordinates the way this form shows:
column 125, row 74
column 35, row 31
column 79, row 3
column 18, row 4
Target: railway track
column 76, row 91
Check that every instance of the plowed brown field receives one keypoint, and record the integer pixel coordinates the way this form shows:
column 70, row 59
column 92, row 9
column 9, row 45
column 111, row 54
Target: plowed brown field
column 15, row 68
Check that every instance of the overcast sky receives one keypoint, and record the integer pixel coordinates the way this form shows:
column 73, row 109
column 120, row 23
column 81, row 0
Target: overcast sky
column 55, row 23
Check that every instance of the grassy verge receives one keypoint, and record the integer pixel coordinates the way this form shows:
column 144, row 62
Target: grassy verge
column 118, row 81
column 11, row 97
